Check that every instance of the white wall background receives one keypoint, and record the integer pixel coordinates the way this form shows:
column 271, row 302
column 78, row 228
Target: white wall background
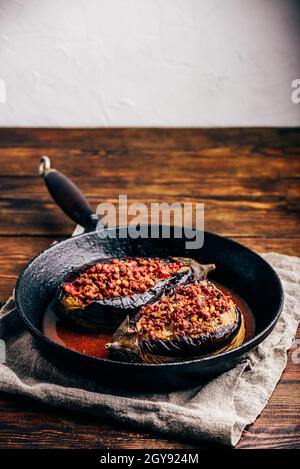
column 149, row 62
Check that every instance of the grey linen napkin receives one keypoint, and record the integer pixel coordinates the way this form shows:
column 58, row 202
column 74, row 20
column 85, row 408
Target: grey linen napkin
column 217, row 411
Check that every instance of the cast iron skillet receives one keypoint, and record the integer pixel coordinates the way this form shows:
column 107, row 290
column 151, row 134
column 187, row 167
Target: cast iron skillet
column 237, row 267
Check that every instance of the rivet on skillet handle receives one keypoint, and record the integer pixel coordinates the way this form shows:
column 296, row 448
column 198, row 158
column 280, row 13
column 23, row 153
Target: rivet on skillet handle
column 67, row 196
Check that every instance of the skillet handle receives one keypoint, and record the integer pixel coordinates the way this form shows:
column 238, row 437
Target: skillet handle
column 67, row 196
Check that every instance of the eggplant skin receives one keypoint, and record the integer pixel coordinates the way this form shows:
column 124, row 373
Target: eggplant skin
column 129, row 343
column 131, row 352
column 110, row 312
column 189, row 346
column 126, row 347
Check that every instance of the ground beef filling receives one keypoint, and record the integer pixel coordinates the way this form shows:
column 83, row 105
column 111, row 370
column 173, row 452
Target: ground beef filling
column 118, row 278
column 192, row 310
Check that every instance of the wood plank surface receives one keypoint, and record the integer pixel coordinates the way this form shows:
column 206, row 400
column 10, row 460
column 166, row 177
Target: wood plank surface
column 248, row 180
column 16, row 251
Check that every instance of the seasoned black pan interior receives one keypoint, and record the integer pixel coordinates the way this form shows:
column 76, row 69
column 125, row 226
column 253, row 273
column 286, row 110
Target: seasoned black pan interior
column 237, row 267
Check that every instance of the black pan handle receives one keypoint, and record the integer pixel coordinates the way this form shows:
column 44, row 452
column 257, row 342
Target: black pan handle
column 67, row 196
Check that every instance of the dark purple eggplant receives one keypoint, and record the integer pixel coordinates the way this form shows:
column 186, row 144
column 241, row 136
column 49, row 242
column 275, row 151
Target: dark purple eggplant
column 110, row 312
column 203, row 344
column 220, row 333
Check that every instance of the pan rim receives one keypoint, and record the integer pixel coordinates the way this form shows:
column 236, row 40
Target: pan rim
column 243, row 348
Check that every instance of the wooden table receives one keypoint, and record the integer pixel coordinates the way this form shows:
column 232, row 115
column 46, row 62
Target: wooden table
column 249, row 182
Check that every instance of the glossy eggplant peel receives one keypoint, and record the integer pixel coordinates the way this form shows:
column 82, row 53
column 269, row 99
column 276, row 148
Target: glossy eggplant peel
column 108, row 313
column 192, row 320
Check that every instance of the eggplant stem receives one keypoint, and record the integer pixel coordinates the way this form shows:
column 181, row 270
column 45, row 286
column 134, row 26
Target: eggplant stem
column 200, row 270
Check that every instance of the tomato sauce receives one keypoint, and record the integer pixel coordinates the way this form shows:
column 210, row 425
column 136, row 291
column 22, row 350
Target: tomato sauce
column 244, row 308
column 92, row 343
column 85, row 341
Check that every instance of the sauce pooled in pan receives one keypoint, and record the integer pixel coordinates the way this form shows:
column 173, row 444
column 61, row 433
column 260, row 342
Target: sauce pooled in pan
column 93, row 343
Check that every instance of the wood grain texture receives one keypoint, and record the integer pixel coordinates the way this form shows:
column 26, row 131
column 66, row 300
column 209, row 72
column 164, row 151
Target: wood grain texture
column 249, row 182
column 26, row 203
column 16, row 251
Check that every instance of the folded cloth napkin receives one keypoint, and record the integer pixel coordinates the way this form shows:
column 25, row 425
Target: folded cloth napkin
column 217, row 411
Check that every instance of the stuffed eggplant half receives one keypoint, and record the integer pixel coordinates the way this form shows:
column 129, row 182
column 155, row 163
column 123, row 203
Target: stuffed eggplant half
column 196, row 319
column 102, row 295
